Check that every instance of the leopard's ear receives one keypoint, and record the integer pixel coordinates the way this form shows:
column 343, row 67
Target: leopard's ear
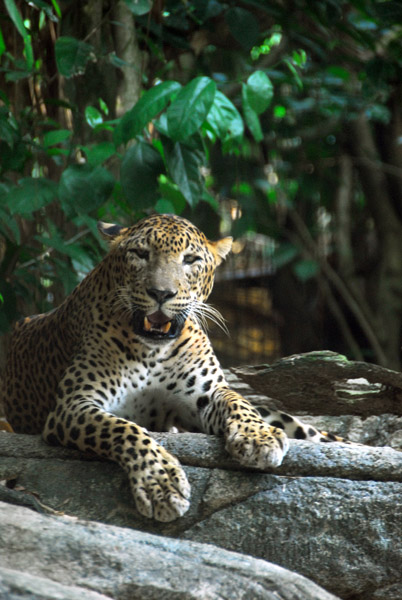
column 222, row 248
column 110, row 232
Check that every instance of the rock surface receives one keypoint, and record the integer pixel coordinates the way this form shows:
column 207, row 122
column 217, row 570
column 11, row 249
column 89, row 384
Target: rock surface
column 65, row 559
column 359, row 401
column 318, row 515
column 324, row 380
column 331, row 512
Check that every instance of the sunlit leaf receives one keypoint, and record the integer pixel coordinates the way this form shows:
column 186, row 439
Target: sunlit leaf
column 279, row 111
column 260, row 91
column 267, row 45
column 93, row 117
column 103, row 106
column 56, row 8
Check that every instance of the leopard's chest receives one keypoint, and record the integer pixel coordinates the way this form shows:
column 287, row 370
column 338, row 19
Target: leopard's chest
column 155, row 396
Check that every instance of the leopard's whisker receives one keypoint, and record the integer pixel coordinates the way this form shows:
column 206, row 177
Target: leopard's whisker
column 202, row 312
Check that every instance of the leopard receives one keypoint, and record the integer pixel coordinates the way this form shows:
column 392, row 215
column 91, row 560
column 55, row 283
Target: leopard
column 127, row 353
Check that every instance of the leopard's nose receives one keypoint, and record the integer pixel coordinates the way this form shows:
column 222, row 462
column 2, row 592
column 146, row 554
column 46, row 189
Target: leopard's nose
column 161, row 295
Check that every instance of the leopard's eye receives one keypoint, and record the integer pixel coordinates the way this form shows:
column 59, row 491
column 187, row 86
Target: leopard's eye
column 190, row 259
column 140, row 252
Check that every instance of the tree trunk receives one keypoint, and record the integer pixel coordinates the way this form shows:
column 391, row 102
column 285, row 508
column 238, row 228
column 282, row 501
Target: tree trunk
column 386, row 303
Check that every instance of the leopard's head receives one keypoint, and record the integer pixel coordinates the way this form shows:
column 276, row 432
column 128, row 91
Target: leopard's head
column 163, row 274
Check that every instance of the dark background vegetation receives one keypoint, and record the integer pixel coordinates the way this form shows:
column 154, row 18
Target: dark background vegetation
column 279, row 123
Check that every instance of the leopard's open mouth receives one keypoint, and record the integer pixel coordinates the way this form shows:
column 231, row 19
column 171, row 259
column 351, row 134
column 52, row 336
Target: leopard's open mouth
column 157, row 325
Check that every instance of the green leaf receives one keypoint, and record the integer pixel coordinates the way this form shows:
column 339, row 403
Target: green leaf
column 83, row 188
column 51, row 138
column 306, row 269
column 28, row 52
column 97, row 154
column 225, row 119
column 18, row 75
column 299, row 57
column 93, row 116
column 171, row 194
column 13, row 157
column 30, row 195
column 284, row 254
column 184, row 168
column 16, row 18
column 56, row 8
column 75, row 251
column 251, row 117
column 279, row 111
column 267, row 45
column 190, row 108
column 2, row 43
column 22, row 30
column 259, row 91
column 72, row 56
column 338, row 72
column 243, row 26
column 164, row 207
column 9, row 224
column 141, row 166
column 42, row 5
column 294, row 72
column 148, row 106
column 103, row 106
column 138, row 7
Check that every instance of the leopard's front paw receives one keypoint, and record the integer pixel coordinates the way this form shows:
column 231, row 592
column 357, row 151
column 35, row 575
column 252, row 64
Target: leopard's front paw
column 256, row 444
column 159, row 485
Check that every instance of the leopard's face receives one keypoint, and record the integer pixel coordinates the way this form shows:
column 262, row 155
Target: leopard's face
column 166, row 273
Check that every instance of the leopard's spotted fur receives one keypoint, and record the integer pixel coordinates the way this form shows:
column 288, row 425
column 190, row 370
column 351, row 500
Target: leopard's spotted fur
column 126, row 351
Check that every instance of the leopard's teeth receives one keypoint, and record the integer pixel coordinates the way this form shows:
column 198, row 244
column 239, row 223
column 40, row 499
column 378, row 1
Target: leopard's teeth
column 166, row 326
column 148, row 326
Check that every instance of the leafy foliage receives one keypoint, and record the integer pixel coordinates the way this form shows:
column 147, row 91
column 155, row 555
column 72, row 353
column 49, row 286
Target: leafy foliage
column 242, row 104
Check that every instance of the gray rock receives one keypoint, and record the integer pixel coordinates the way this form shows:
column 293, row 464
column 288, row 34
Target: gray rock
column 327, row 396
column 342, row 534
column 56, row 556
column 15, row 585
column 326, row 382
column 330, row 512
